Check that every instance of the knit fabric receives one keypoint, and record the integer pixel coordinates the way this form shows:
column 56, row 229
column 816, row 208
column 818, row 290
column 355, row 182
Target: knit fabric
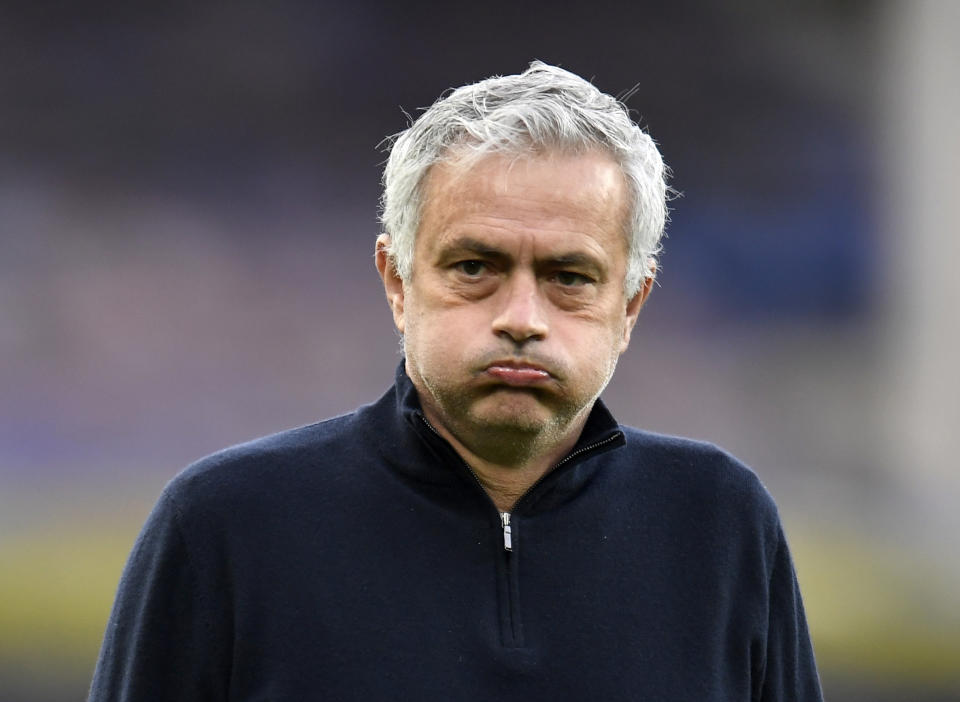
column 360, row 559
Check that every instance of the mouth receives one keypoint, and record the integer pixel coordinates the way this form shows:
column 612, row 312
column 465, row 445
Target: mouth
column 518, row 373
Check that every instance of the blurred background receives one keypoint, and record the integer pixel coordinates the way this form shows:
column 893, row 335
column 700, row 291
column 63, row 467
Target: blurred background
column 188, row 199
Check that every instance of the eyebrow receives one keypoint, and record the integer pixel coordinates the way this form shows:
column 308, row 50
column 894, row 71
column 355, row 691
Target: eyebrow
column 573, row 259
column 485, row 250
column 468, row 243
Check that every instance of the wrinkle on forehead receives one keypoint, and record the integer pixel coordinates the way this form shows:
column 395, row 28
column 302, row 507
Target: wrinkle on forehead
column 468, row 186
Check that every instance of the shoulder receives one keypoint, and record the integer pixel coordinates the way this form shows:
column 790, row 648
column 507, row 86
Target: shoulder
column 283, row 450
column 267, row 472
column 697, row 474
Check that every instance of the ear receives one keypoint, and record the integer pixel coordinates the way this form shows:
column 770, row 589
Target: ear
column 634, row 305
column 392, row 283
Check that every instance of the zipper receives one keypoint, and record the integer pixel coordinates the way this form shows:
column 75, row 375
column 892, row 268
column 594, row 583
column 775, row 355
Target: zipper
column 505, row 524
column 566, row 459
column 511, row 624
column 505, row 516
column 507, row 531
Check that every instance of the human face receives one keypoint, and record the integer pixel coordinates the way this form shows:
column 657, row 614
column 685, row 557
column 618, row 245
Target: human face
column 515, row 313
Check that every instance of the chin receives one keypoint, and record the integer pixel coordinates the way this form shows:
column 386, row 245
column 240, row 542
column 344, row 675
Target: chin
column 523, row 413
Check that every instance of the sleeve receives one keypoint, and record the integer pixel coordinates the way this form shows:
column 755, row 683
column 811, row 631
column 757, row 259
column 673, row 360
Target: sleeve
column 167, row 636
column 789, row 671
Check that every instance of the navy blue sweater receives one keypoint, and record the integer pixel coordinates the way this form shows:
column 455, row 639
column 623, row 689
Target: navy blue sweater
column 360, row 559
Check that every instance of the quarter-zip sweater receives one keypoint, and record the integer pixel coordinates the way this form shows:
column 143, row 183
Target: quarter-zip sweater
column 360, row 559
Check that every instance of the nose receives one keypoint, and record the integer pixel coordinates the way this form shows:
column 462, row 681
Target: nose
column 521, row 315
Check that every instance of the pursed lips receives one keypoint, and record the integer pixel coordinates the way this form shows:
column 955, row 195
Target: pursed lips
column 517, row 373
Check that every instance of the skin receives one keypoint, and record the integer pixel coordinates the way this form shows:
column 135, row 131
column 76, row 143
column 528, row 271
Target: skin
column 514, row 315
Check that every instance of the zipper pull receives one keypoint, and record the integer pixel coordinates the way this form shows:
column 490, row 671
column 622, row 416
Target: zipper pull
column 507, row 531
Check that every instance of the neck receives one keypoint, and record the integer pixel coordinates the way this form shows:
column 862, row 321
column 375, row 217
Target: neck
column 506, row 481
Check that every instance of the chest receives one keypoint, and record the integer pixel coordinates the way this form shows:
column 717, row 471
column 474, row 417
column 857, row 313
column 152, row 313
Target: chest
column 425, row 602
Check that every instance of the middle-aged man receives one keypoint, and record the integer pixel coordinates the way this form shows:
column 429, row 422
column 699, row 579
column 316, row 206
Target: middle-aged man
column 485, row 530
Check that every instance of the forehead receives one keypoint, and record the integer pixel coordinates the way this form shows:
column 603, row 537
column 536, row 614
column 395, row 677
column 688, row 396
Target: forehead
column 582, row 193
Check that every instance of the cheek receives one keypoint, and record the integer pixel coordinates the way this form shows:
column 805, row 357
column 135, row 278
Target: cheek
column 594, row 348
column 437, row 336
column 596, row 330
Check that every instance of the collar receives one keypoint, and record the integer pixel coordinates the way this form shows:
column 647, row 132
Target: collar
column 415, row 450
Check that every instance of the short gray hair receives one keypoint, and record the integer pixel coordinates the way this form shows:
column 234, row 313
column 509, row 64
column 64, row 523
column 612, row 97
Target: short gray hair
column 543, row 108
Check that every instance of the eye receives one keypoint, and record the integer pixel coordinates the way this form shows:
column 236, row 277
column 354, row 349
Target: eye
column 471, row 268
column 569, row 279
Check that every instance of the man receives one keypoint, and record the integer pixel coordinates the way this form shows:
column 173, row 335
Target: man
column 486, row 530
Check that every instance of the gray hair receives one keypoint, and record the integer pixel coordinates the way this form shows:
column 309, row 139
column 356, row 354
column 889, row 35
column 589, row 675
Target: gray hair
column 543, row 108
